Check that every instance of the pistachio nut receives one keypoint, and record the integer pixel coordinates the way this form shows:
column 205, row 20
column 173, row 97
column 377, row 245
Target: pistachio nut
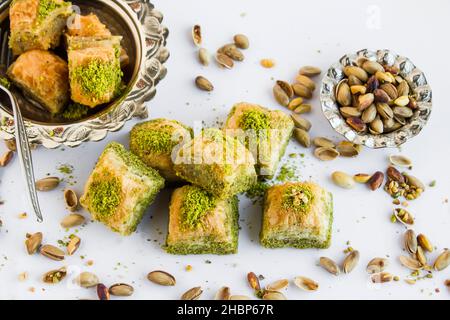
column 55, row 276
column 72, row 220
column 71, row 199
column 280, row 95
column 253, row 281
column 33, row 242
column 306, row 284
column 356, row 123
column 301, row 122
column 348, row 149
column 121, row 290
column 442, row 261
column 197, row 35
column 102, row 292
column 278, row 285
column 329, row 265
column 361, row 177
column 162, row 278
column 358, row 72
column 203, row 56
column 52, row 252
column 273, row 295
column 343, row 94
column 372, row 67
column 350, row 261
column 287, row 88
column 323, row 142
column 310, row 71
column 348, row 112
column 294, row 103
column 203, row 84
column 326, row 154
column 302, row 137
column 303, row 108
column 87, row 280
column 241, row 41
column 223, row 294
column 377, row 265
column 302, row 91
column 224, row 61
column 306, row 81
column 73, row 245
column 6, row 158
column 192, row 294
column 376, row 180
column 47, row 184
column 424, row 242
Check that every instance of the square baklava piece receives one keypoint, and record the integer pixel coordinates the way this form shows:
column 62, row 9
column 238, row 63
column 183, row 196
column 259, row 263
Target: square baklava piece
column 298, row 215
column 120, row 189
column 95, row 73
column 44, row 77
column 200, row 223
column 216, row 162
column 37, row 24
column 264, row 132
column 156, row 142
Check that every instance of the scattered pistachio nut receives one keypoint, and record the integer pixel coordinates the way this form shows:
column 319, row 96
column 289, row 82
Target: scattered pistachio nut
column 376, row 265
column 73, row 245
column 302, row 91
column 162, row 278
column 52, row 252
column 33, row 242
column 295, row 103
column 223, row 294
column 323, row 142
column 399, row 160
column 278, row 285
column 420, row 256
column 303, row 108
column 87, row 280
column 121, row 290
column 329, row 265
column 376, row 180
column 348, row 149
column 306, row 284
column 395, row 175
column 410, row 241
column 47, row 184
column 404, row 216
column 362, row 177
column 203, row 84
column 241, row 41
column 424, row 242
column 326, row 154
column 302, row 137
column 253, row 281
column 306, row 81
column 382, row 277
column 280, row 95
column 203, row 56
column 192, row 294
column 71, row 200
column 55, row 276
column 6, row 158
column 342, row 180
column 224, row 61
column 239, row 297
column 310, row 71
column 410, row 263
column 301, row 122
column 442, row 261
column 197, row 35
column 267, row 63
column 273, row 295
column 72, row 220
column 286, row 87
column 102, row 292
column 350, row 261
column 232, row 52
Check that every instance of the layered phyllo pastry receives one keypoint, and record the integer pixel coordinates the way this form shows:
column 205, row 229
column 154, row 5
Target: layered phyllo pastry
column 37, row 24
column 90, row 26
column 264, row 132
column 120, row 189
column 156, row 143
column 200, row 223
column 297, row 215
column 216, row 162
column 87, row 26
column 44, row 77
column 94, row 70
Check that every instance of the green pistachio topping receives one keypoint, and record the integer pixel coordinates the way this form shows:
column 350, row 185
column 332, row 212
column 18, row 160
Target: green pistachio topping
column 98, row 78
column 298, row 198
column 255, row 120
column 157, row 141
column 196, row 204
column 75, row 111
column 46, row 7
column 106, row 195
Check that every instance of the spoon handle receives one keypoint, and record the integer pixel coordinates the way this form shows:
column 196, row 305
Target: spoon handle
column 26, row 162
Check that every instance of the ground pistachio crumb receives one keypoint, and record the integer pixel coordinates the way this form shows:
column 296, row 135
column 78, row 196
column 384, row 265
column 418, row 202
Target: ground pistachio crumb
column 106, row 195
column 196, row 204
column 297, row 198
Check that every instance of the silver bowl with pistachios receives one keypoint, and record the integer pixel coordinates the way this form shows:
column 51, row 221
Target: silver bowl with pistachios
column 376, row 98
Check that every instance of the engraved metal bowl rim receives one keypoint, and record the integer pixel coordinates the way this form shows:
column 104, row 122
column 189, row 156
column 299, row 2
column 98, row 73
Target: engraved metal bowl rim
column 151, row 71
column 415, row 77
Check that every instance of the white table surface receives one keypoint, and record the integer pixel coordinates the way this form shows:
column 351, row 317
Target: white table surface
column 294, row 33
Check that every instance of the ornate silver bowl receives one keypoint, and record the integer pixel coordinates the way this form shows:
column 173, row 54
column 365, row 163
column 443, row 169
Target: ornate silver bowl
column 144, row 39
column 408, row 71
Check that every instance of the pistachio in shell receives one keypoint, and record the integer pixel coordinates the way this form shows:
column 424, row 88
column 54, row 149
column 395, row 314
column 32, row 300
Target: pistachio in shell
column 310, row 71
column 343, row 180
column 302, row 91
column 348, row 149
column 162, row 278
column 343, row 94
column 241, row 41
column 306, row 81
column 326, row 154
column 442, row 261
column 358, row 72
column 197, row 35
column 329, row 265
column 323, row 142
column 121, row 290
column 410, row 263
column 280, row 95
column 33, row 242
column 192, row 294
column 71, row 199
column 287, row 88
column 223, row 294
column 301, row 122
column 47, row 184
column 377, row 265
column 306, row 284
column 87, row 279
column 356, row 123
column 372, row 67
column 302, row 137
column 350, row 261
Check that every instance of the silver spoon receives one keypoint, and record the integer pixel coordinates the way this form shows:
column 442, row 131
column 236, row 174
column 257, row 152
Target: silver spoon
column 23, row 148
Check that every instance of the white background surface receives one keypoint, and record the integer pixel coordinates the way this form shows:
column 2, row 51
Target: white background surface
column 294, row 33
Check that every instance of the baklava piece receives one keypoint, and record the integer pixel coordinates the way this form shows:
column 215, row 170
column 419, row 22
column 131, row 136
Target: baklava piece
column 218, row 163
column 94, row 70
column 199, row 223
column 156, row 142
column 44, row 77
column 298, row 215
column 265, row 133
column 37, row 24
column 90, row 26
column 120, row 189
